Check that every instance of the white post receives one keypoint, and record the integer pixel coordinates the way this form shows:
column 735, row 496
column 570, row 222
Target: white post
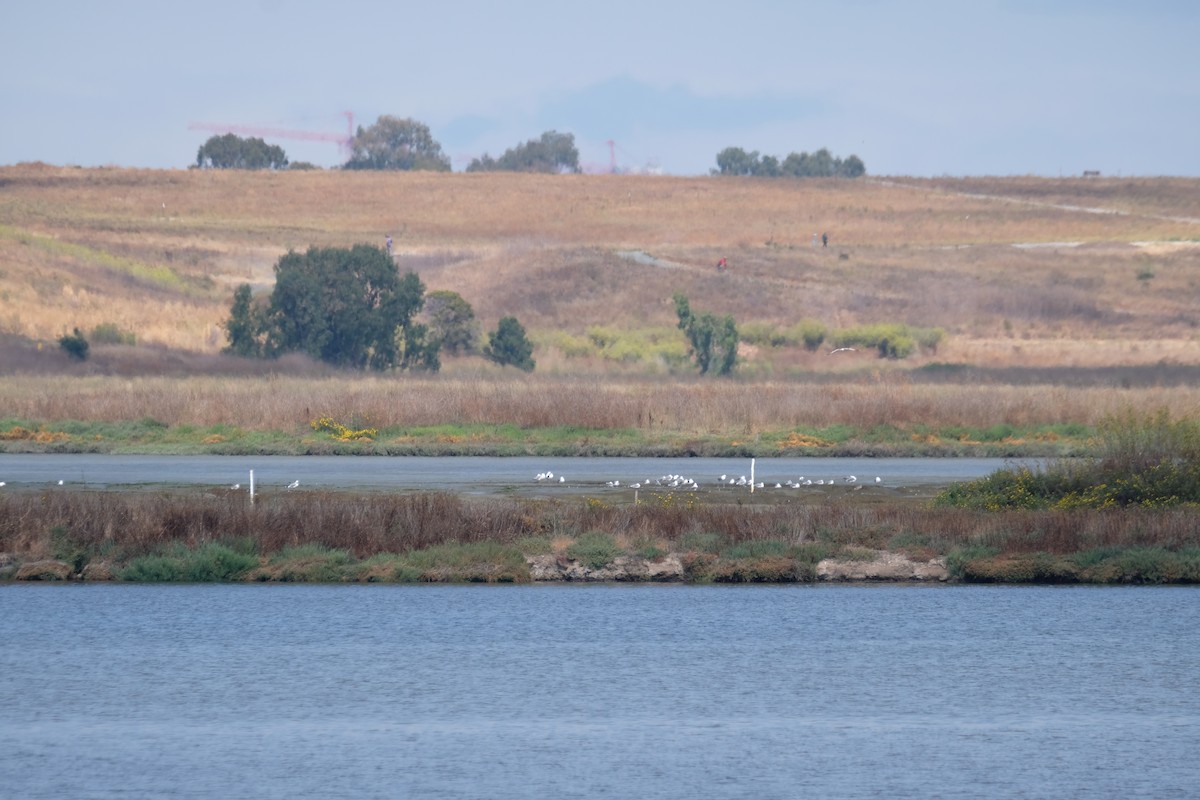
column 251, row 487
column 752, row 476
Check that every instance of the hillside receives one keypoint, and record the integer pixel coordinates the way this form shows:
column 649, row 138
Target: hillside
column 1019, row 272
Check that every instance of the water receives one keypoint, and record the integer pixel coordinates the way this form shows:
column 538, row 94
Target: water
column 467, row 474
column 598, row 691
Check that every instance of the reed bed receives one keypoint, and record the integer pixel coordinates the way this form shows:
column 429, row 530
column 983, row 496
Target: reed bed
column 345, row 534
column 683, row 406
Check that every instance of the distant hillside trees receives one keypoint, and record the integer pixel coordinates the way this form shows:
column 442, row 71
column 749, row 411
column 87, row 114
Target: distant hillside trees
column 821, row 164
column 75, row 345
column 553, row 153
column 346, row 307
column 713, row 340
column 246, row 326
column 508, row 345
column 230, row 151
column 451, row 322
column 394, row 143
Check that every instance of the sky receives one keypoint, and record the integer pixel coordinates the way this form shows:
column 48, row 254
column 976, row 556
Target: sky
column 927, row 88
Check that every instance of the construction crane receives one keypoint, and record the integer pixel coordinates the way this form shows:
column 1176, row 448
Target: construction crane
column 345, row 141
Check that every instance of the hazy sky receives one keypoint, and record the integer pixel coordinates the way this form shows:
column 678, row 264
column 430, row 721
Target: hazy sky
column 998, row 87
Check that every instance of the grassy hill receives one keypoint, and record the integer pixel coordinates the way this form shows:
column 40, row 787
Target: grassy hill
column 1038, row 284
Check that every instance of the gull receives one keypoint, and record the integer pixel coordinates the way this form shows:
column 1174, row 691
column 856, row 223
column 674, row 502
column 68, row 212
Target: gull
column 635, row 486
column 851, row 478
column 878, row 479
column 236, row 486
column 561, row 479
column 60, row 483
column 294, row 485
column 613, row 484
column 842, row 350
column 778, row 486
column 3, row 483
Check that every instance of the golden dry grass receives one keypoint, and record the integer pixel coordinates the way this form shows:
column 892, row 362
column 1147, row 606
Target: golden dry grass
column 158, row 252
column 682, row 407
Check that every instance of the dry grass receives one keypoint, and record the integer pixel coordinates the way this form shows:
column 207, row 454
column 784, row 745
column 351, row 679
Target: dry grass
column 80, row 526
column 684, row 406
column 76, row 245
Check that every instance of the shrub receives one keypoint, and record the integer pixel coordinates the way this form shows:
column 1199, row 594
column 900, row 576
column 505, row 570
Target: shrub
column 216, row 562
column 75, row 345
column 152, row 569
column 594, row 549
column 109, row 333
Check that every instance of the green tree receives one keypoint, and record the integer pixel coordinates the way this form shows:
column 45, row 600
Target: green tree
column 347, row 307
column 75, row 345
column 246, row 325
column 713, row 340
column 452, row 322
column 508, row 345
column 736, row 161
column 233, row 152
column 394, row 143
column 553, row 153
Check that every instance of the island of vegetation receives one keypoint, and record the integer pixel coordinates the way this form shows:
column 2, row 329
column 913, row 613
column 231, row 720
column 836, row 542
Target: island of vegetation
column 400, row 308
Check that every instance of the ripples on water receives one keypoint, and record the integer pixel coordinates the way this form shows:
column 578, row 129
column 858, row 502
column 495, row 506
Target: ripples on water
column 598, row 691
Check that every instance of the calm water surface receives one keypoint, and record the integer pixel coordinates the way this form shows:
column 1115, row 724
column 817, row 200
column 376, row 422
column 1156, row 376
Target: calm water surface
column 598, row 691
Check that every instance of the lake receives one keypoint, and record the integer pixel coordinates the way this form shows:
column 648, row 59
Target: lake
column 201, row 691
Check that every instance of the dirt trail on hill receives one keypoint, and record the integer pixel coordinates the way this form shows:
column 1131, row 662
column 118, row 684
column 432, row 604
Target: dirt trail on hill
column 1040, row 203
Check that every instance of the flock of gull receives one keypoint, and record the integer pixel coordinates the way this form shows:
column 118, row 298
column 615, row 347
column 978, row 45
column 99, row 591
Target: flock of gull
column 690, row 484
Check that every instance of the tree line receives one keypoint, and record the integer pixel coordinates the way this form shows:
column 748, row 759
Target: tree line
column 821, row 164
column 393, row 143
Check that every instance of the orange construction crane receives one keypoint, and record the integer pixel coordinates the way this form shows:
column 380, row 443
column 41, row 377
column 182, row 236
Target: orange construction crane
column 345, row 141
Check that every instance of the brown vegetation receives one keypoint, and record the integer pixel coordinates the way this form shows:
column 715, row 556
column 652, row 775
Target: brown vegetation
column 718, row 541
column 1059, row 313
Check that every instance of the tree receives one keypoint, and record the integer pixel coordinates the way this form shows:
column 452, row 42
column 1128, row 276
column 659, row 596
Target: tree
column 75, row 345
column 553, row 153
column 508, row 345
column 713, row 340
column 245, row 326
column 736, row 161
column 347, row 307
column 821, row 164
column 452, row 322
column 234, row 152
column 394, row 143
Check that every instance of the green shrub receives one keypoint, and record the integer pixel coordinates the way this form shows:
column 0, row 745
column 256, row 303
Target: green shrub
column 216, row 563
column 892, row 340
column 152, row 569
column 759, row 548
column 1149, row 461
column 109, row 333
column 702, row 542
column 75, row 345
column 594, row 549
column 310, row 563
column 467, row 562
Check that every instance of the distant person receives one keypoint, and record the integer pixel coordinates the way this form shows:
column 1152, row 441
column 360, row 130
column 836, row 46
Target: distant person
column 824, row 240
column 389, row 244
column 721, row 265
